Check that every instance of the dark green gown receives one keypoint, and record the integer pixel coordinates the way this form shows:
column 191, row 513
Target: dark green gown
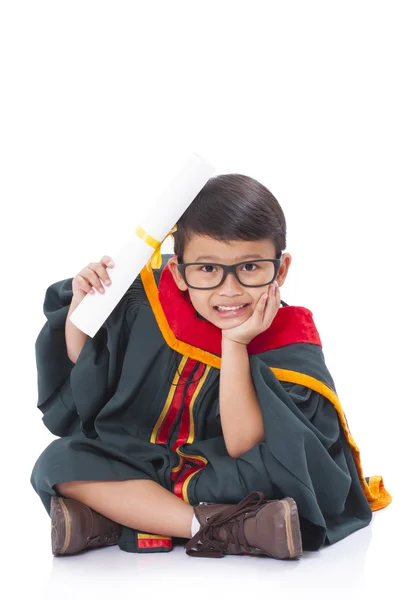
column 141, row 402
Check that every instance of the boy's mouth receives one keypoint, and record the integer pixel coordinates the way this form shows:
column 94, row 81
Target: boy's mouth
column 226, row 310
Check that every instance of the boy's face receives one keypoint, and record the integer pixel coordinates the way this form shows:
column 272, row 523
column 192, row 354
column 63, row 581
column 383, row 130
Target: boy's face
column 231, row 292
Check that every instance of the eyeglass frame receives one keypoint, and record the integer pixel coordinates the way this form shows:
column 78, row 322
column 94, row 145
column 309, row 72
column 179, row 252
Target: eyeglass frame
column 230, row 269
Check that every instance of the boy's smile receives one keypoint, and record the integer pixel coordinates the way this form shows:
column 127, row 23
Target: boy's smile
column 231, row 303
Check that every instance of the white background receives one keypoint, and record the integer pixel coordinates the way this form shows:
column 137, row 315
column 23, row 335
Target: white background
column 100, row 101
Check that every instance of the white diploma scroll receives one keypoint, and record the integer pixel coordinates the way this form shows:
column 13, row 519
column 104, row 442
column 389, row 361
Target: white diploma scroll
column 94, row 309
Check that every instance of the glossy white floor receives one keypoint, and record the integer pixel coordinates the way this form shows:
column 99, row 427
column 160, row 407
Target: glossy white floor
column 349, row 569
column 363, row 564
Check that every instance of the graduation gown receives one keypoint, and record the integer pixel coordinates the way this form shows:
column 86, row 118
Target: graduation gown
column 142, row 402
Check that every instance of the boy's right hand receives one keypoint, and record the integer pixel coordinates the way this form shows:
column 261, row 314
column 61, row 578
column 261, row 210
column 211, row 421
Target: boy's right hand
column 90, row 278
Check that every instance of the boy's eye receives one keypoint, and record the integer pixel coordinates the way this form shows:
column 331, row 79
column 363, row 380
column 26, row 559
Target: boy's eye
column 249, row 265
column 208, row 267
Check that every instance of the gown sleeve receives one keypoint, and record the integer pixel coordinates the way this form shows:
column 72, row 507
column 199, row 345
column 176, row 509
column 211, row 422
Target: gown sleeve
column 97, row 368
column 53, row 365
column 309, row 456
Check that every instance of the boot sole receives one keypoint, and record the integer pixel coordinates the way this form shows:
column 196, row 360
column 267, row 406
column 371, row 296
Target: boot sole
column 63, row 526
column 292, row 525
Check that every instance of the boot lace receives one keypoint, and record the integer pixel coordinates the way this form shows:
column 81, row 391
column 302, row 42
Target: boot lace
column 110, row 532
column 112, row 536
column 206, row 542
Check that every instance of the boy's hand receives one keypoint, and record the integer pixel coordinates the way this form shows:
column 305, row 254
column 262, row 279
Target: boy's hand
column 91, row 277
column 262, row 317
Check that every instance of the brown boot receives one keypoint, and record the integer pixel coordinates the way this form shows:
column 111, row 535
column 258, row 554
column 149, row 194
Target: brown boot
column 76, row 527
column 254, row 526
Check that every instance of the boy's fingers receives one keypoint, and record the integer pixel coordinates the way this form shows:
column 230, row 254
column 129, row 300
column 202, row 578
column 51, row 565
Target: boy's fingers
column 272, row 304
column 278, row 295
column 262, row 302
column 102, row 273
column 107, row 261
column 83, row 284
column 90, row 275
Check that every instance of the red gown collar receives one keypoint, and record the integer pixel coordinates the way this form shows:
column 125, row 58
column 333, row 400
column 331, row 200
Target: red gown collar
column 291, row 325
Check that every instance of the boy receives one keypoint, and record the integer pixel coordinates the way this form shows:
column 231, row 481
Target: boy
column 201, row 410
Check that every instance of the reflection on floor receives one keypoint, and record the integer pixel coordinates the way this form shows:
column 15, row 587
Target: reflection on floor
column 354, row 568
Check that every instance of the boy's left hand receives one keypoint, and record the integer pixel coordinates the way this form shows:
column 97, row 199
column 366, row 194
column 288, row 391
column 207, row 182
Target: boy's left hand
column 262, row 317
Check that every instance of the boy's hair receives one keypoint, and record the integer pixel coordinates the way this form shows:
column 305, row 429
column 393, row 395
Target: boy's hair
column 232, row 207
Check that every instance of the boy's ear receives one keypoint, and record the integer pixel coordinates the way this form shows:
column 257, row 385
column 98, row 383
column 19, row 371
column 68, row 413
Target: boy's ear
column 284, row 268
column 173, row 267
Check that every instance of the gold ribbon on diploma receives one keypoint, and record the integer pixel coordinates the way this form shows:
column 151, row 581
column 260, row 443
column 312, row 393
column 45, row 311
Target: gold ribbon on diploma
column 156, row 258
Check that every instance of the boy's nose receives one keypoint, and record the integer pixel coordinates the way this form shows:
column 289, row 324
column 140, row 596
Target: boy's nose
column 231, row 286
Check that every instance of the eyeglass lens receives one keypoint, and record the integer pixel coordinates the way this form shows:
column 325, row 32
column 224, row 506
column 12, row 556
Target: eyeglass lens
column 258, row 273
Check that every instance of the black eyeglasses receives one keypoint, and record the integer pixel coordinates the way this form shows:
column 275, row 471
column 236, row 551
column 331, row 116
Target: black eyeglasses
column 197, row 276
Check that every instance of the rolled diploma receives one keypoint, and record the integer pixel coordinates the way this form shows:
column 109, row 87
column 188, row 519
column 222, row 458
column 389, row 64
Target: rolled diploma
column 94, row 309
